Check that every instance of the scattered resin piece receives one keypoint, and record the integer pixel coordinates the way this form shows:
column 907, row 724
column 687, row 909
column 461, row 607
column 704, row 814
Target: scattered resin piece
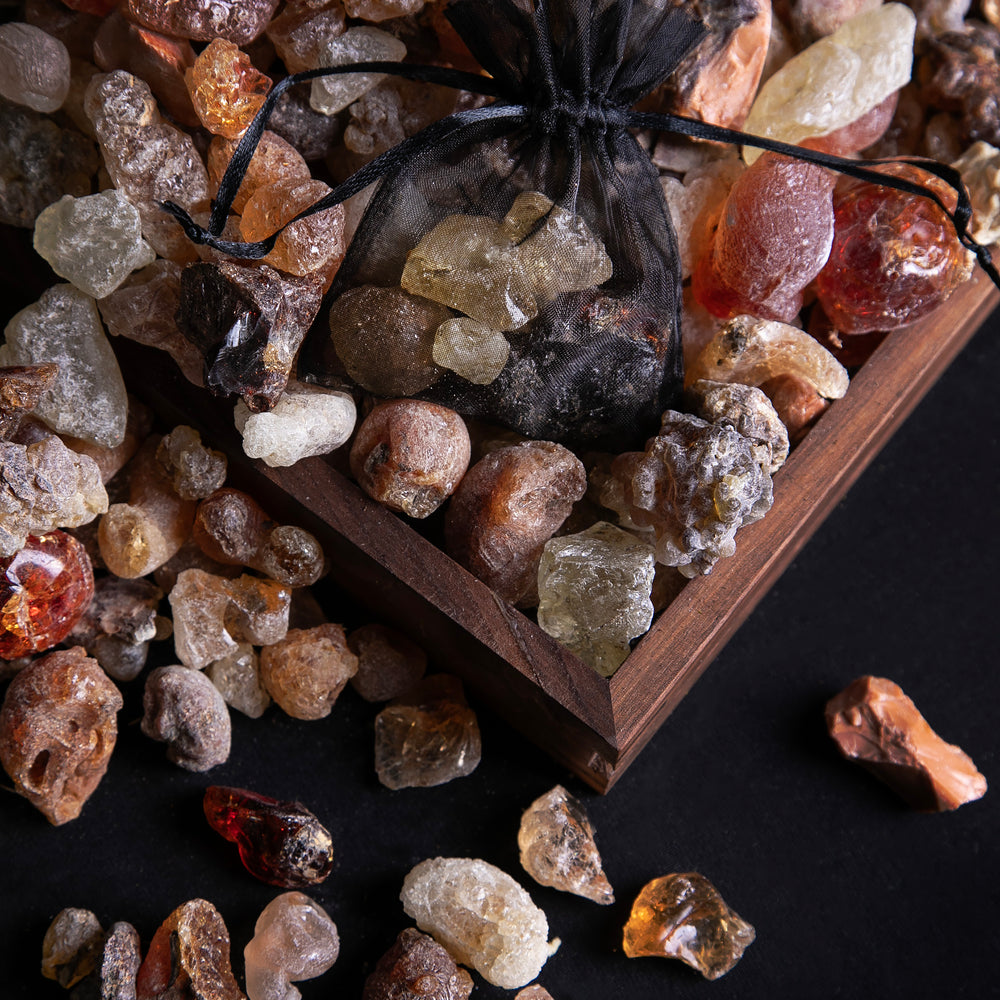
column 873, row 722
column 836, row 80
column 299, row 31
column 281, row 843
column 294, row 939
column 895, row 257
column 470, row 349
column 237, row 676
column 746, row 409
column 557, row 847
column 44, row 588
column 506, row 508
column 226, row 89
column 683, row 916
column 416, row 967
column 695, row 485
column 57, row 731
column 752, row 351
column 382, row 10
column 306, row 671
column 313, row 134
column 796, row 402
column 410, row 455
column 979, row 166
column 195, row 471
column 306, row 420
column 389, row 663
column 183, row 708
column 274, row 159
column 594, row 593
column 95, row 243
column 385, row 338
column 189, row 957
column 481, row 915
column 362, row 44
column 44, row 486
column 427, row 737
column 71, row 946
column 120, row 959
column 533, row 992
column 88, row 398
column 21, row 386
column 34, row 67
column 239, row 21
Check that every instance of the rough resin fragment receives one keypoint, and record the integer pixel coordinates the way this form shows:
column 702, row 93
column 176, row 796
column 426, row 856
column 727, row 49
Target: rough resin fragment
column 21, row 386
column 362, row 44
column 427, row 736
column 481, row 915
column 299, row 31
column 194, row 470
column 533, row 992
column 683, row 916
column 226, row 89
column 294, row 939
column 281, row 843
column 557, row 847
column 873, row 722
column 470, row 349
column 416, row 967
column 389, row 663
column 57, row 731
column 71, row 946
column 239, row 21
column 119, row 962
column 237, row 676
column 979, row 166
column 274, row 159
column 34, row 67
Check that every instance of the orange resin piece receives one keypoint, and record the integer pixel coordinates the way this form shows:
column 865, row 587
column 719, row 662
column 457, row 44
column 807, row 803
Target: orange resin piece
column 226, row 89
column 273, row 160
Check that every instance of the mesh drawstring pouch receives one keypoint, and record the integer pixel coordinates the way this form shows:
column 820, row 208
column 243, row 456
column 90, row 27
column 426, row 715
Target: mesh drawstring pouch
column 517, row 261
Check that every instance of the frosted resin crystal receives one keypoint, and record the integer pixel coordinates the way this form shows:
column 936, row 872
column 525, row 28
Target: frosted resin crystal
column 385, row 339
column 194, row 470
column 44, row 486
column 183, row 708
column 226, row 89
column 300, row 30
column 389, row 663
column 305, row 421
column 837, row 79
column 594, row 593
column 556, row 843
column 88, row 398
column 481, row 915
column 237, row 676
column 427, row 736
column 751, row 351
column 361, row 44
column 34, row 67
column 470, row 349
column 239, row 21
column 410, row 455
column 95, row 243
column 294, row 939
column 979, row 166
column 274, row 159
column 416, row 967
column 306, row 670
column 57, row 731
column 683, row 916
column 71, row 946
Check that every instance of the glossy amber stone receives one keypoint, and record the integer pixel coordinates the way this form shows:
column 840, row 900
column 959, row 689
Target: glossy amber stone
column 281, row 843
column 44, row 588
column 226, row 89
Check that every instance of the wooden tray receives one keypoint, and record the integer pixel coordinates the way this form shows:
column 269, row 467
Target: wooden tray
column 593, row 725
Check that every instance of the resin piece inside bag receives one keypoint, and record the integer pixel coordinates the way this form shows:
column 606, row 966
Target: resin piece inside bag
column 71, row 946
column 281, row 843
column 416, row 967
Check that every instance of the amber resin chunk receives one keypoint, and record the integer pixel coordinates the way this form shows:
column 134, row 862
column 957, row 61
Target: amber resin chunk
column 274, row 159
column 57, row 731
column 556, row 841
column 226, row 89
column 281, row 843
column 683, row 916
column 416, row 967
column 71, row 946
column 873, row 722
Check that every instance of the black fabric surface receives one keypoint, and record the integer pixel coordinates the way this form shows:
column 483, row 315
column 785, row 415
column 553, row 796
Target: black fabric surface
column 852, row 894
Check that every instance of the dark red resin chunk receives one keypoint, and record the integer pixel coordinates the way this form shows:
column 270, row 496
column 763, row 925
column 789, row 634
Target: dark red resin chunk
column 281, row 843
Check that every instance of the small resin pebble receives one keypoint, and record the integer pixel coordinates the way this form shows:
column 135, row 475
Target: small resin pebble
column 72, row 946
column 45, row 586
column 557, row 847
column 57, row 731
column 237, row 676
column 389, row 663
column 874, row 723
column 281, row 843
column 481, row 915
column 88, row 398
column 428, row 736
column 410, row 455
column 416, row 967
column 195, row 471
column 34, row 67
column 979, row 166
column 594, row 593
column 361, row 44
column 21, row 386
column 183, row 708
column 306, row 670
column 95, row 243
column 294, row 939
column 796, row 402
column 683, row 916
column 117, row 968
column 189, row 957
column 239, row 21
column 470, row 349
column 226, row 89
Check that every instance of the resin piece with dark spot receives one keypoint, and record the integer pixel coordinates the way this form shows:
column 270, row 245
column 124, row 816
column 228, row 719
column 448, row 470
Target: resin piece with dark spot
column 416, row 967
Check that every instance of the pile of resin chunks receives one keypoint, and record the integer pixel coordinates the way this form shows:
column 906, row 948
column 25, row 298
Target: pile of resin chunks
column 791, row 277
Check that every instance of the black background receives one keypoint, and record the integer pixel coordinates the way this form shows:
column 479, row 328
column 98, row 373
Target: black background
column 851, row 893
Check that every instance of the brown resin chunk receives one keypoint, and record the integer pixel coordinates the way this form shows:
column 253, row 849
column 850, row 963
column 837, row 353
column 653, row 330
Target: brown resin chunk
column 71, row 946
column 389, row 663
column 416, row 967
column 195, row 471
column 21, row 386
column 119, row 964
column 239, row 21
column 57, row 731
column 683, row 916
column 873, row 722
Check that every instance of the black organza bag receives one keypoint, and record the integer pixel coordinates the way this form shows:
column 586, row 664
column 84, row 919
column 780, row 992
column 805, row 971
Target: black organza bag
column 536, row 223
